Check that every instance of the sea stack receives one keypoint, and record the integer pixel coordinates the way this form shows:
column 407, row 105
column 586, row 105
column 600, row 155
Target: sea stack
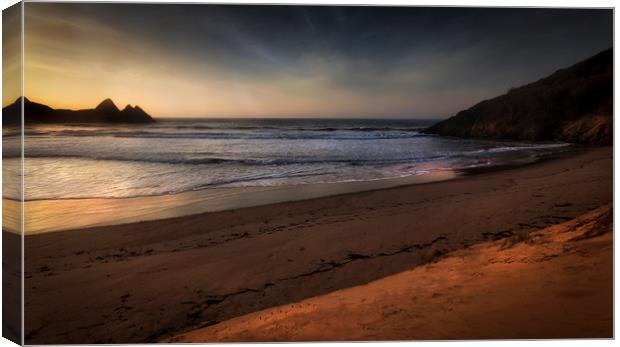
column 105, row 112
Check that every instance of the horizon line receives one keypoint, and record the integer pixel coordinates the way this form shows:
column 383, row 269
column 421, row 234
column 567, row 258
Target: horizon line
column 391, row 117
column 299, row 117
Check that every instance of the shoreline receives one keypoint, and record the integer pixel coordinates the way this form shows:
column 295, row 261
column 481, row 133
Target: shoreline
column 153, row 280
column 60, row 215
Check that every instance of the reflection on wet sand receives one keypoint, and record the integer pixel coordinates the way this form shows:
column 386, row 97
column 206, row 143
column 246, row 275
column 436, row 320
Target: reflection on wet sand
column 54, row 215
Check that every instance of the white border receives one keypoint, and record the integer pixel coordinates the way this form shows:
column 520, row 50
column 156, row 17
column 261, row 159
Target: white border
column 472, row 3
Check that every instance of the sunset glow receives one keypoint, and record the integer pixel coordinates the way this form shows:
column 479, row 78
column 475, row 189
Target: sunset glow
column 185, row 61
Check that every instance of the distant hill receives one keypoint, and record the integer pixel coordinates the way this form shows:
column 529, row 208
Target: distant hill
column 572, row 105
column 105, row 112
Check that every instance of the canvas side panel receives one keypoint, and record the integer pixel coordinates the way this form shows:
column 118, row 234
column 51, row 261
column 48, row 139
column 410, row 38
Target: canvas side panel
column 12, row 170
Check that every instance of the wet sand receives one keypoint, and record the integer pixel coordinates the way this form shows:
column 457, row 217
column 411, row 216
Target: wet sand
column 42, row 216
column 154, row 280
column 550, row 284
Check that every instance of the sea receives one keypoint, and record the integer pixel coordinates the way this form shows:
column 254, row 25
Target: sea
column 174, row 156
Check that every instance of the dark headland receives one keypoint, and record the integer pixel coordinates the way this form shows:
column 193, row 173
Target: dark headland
column 105, row 112
column 573, row 105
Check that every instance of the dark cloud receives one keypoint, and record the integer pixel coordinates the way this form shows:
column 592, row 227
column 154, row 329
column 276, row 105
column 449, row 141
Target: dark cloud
column 391, row 51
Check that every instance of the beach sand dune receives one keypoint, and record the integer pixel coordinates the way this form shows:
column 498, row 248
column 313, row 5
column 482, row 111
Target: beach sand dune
column 154, row 280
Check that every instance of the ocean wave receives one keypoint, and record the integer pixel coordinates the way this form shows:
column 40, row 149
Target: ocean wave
column 297, row 128
column 208, row 158
column 231, row 136
column 238, row 161
column 358, row 133
column 266, row 136
column 522, row 147
column 196, row 187
column 175, row 172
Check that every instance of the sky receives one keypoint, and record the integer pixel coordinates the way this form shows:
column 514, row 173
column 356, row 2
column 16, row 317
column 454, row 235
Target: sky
column 196, row 60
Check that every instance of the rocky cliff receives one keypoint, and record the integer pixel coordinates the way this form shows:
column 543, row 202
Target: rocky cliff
column 572, row 105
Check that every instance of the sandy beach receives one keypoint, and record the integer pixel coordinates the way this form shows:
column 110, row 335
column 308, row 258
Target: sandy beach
column 156, row 280
column 551, row 284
